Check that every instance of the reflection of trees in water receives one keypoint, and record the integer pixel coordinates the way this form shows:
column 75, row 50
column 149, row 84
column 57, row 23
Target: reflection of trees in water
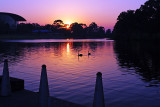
column 91, row 45
column 11, row 51
column 143, row 56
column 77, row 46
column 16, row 52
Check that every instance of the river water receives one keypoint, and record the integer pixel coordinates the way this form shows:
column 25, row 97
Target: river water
column 130, row 71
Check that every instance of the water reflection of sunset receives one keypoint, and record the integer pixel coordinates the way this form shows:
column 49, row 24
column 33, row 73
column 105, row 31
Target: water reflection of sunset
column 68, row 48
column 71, row 77
column 65, row 70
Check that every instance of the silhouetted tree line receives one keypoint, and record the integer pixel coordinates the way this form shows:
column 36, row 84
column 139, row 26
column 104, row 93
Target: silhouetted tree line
column 58, row 27
column 139, row 24
column 108, row 33
column 25, row 28
column 93, row 30
column 74, row 30
column 79, row 29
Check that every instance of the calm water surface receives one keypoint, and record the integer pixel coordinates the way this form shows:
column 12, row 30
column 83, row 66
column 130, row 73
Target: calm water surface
column 131, row 72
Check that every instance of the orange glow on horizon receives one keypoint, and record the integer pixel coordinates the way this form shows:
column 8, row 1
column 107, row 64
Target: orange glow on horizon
column 68, row 24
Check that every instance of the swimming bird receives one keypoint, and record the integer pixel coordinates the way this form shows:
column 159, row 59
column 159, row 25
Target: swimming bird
column 89, row 53
column 80, row 54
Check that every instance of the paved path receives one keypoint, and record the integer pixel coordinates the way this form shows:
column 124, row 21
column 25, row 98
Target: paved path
column 27, row 98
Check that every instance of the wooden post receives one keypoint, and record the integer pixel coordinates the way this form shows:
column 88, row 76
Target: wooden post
column 99, row 94
column 5, row 85
column 44, row 89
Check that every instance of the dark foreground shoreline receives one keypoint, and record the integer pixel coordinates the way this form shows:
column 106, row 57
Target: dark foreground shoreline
column 26, row 98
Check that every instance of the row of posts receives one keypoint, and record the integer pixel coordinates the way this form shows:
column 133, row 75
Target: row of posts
column 44, row 89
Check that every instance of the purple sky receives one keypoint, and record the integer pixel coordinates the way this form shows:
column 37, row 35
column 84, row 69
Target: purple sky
column 103, row 12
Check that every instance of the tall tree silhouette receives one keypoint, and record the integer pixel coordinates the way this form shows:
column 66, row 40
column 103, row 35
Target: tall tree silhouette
column 108, row 33
column 77, row 28
column 58, row 23
column 145, row 20
column 101, row 30
column 93, row 27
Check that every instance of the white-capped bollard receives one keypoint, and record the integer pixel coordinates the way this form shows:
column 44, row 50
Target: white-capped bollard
column 99, row 94
column 5, row 84
column 44, row 89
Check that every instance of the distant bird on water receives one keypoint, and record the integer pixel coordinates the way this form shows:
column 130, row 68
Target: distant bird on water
column 80, row 54
column 89, row 53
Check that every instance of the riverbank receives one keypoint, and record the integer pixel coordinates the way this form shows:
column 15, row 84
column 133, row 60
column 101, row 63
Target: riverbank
column 31, row 36
column 136, row 37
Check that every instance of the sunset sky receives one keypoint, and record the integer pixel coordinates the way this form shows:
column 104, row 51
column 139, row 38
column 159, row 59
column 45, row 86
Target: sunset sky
column 103, row 12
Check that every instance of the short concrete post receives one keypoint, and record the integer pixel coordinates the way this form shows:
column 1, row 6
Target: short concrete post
column 5, row 85
column 99, row 94
column 43, row 89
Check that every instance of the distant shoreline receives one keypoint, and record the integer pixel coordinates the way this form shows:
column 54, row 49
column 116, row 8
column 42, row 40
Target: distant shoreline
column 137, row 37
column 31, row 36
